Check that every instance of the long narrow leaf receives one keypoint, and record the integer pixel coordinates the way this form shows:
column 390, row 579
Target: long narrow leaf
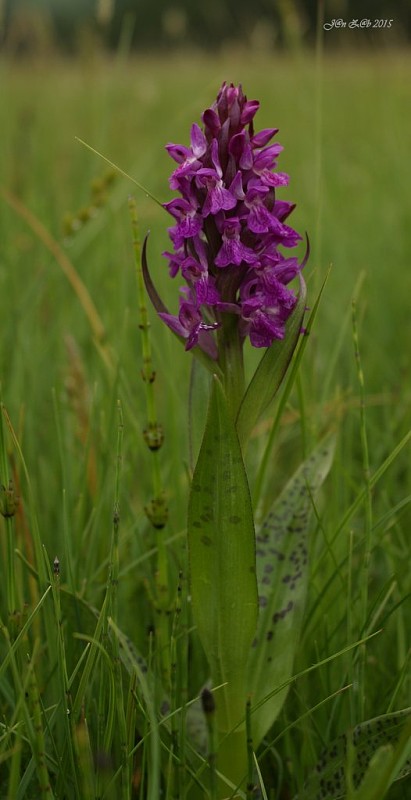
column 221, row 544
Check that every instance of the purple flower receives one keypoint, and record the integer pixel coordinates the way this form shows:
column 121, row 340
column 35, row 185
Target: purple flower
column 266, row 305
column 190, row 324
column 233, row 251
column 229, row 228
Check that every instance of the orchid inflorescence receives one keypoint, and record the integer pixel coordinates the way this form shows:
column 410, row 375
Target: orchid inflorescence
column 229, row 227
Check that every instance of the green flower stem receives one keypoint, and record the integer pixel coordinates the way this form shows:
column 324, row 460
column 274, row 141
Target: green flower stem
column 231, row 361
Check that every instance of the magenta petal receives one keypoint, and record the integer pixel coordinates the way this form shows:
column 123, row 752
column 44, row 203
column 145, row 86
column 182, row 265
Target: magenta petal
column 265, row 159
column 282, row 209
column 236, row 187
column 229, row 254
column 218, row 199
column 207, row 344
column 211, row 121
column 261, row 221
column 206, row 292
column 237, row 144
column 215, row 158
column 178, row 152
column 190, row 226
column 178, row 208
column 263, row 137
column 249, row 111
column 289, row 237
column 192, row 339
column 174, row 324
column 275, row 178
column 233, row 252
column 264, row 330
column 222, row 199
column 174, row 261
column 198, row 141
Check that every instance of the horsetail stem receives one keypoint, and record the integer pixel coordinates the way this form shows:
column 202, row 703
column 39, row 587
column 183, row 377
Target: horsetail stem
column 175, row 697
column 68, row 759
column 38, row 743
column 8, row 506
column 156, row 510
column 113, row 589
column 114, row 553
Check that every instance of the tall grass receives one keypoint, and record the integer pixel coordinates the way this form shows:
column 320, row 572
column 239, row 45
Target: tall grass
column 79, row 708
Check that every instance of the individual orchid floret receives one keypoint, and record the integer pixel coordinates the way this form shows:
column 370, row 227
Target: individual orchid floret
column 190, row 324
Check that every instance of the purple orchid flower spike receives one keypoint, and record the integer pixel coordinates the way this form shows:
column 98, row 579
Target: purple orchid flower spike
column 229, row 228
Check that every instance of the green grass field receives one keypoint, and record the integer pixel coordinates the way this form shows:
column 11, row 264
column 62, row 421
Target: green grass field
column 65, row 365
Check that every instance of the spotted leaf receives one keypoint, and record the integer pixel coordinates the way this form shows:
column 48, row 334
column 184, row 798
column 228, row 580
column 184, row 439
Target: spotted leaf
column 372, row 744
column 282, row 573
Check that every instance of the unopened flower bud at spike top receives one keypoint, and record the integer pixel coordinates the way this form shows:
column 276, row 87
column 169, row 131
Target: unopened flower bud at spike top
column 230, row 240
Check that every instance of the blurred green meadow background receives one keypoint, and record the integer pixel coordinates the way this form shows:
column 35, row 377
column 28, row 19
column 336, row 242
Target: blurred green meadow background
column 345, row 126
column 67, row 359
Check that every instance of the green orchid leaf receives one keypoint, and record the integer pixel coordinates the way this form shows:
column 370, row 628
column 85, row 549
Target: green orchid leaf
column 369, row 748
column 199, row 392
column 282, row 575
column 270, row 372
column 221, row 542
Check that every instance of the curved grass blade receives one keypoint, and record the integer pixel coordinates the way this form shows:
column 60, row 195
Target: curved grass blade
column 121, row 171
column 282, row 575
column 270, row 372
column 221, row 543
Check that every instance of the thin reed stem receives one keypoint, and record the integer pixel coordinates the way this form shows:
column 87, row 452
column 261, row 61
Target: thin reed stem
column 368, row 507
